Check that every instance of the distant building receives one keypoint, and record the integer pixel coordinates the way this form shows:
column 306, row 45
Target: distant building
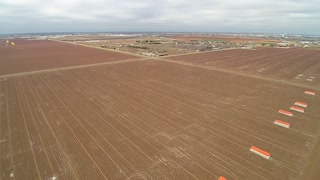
column 148, row 54
column 305, row 42
column 282, row 44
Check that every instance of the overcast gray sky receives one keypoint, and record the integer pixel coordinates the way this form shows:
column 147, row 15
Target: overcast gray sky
column 271, row 16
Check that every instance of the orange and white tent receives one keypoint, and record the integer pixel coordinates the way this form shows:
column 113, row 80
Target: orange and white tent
column 260, row 152
column 281, row 123
column 285, row 112
column 301, row 104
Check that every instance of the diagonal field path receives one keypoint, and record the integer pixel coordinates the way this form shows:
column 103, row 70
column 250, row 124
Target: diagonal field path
column 160, row 59
column 69, row 67
column 136, row 103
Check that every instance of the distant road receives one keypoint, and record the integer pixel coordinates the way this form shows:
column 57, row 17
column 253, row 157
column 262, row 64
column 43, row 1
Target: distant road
column 69, row 67
column 241, row 74
column 159, row 59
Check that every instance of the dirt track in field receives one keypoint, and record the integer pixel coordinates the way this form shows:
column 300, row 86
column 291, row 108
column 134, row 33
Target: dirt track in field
column 222, row 38
column 68, row 68
column 151, row 119
column 32, row 55
column 235, row 73
column 176, row 59
column 293, row 64
column 188, row 117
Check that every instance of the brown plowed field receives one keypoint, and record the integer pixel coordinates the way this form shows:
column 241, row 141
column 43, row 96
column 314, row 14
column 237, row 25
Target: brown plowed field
column 293, row 64
column 152, row 120
column 223, row 38
column 31, row 55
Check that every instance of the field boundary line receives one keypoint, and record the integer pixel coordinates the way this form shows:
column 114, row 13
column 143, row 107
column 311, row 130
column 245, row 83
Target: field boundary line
column 71, row 67
column 240, row 74
column 159, row 59
column 104, row 49
column 190, row 53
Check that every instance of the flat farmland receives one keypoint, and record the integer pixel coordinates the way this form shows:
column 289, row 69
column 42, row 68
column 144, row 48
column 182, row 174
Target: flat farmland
column 32, row 55
column 152, row 120
column 292, row 64
column 223, row 38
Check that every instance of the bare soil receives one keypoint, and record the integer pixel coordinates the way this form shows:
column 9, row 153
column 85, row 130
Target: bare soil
column 153, row 120
column 312, row 168
column 224, row 38
column 292, row 64
column 31, row 55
